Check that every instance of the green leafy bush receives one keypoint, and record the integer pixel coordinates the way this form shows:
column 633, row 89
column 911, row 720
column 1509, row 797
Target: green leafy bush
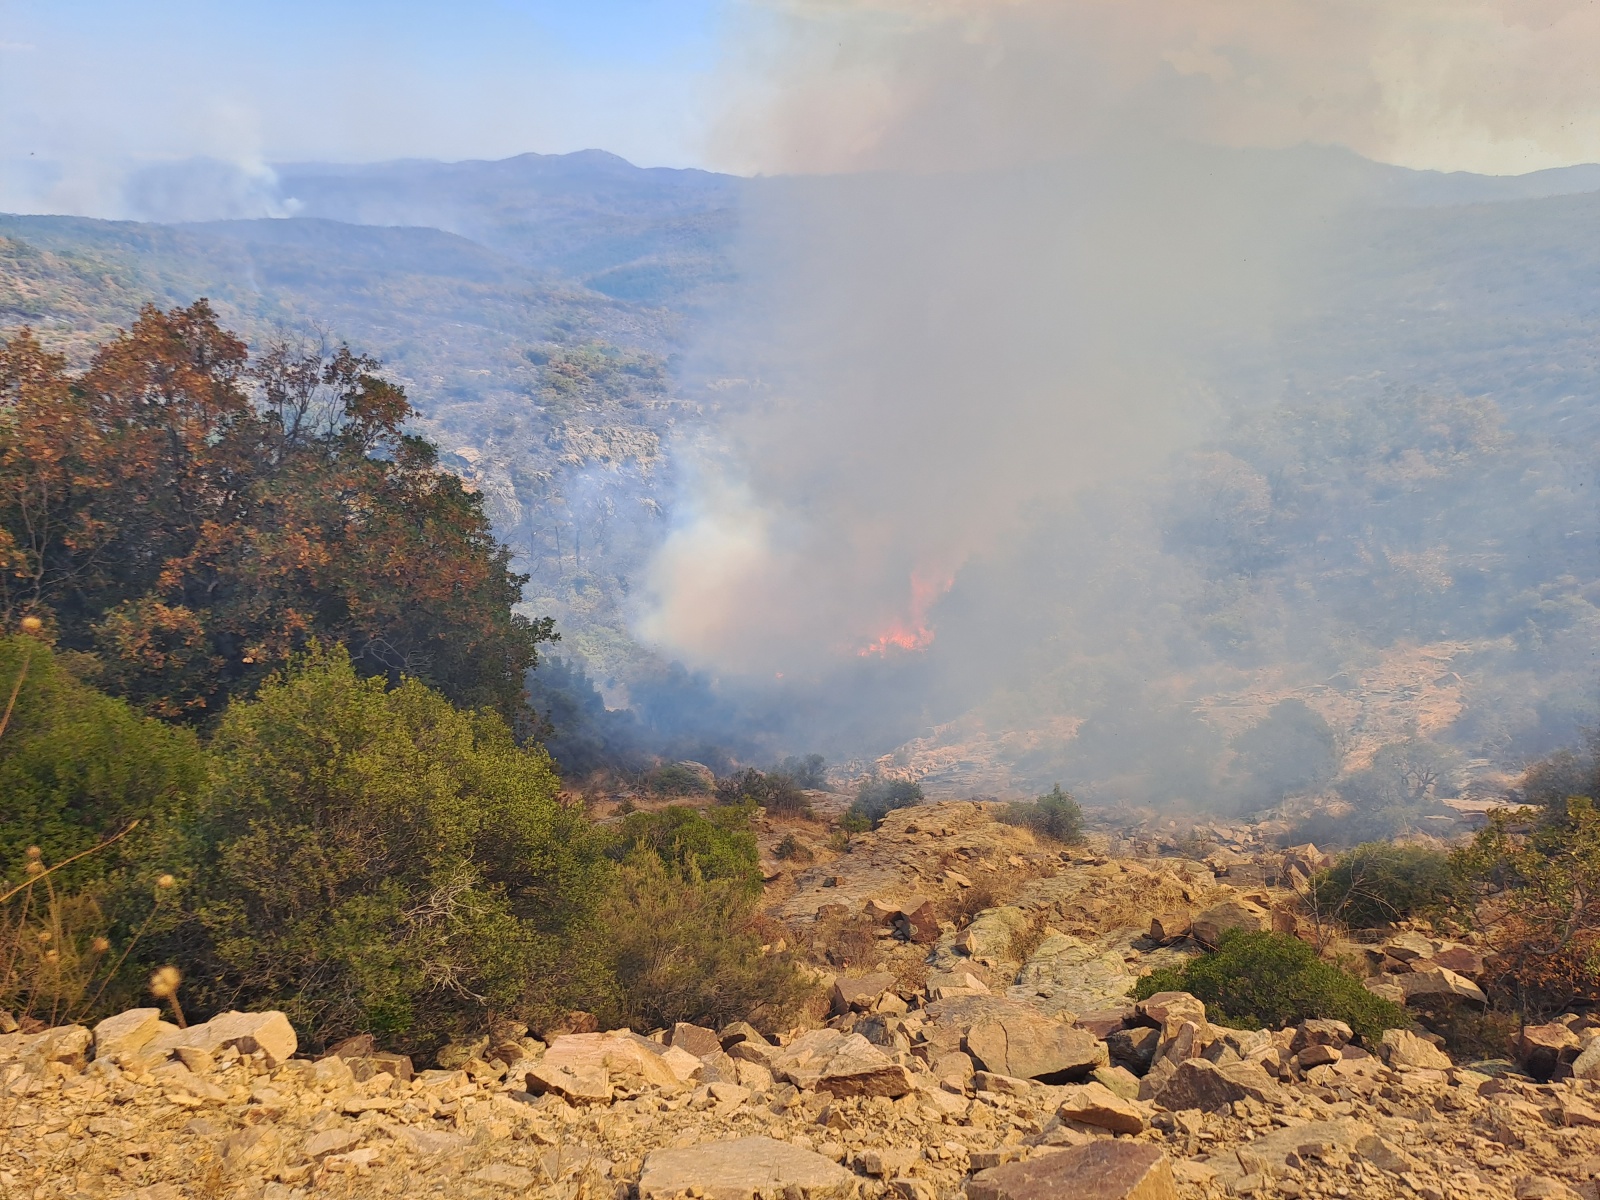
column 715, row 844
column 1269, row 980
column 773, row 791
column 876, row 799
column 1054, row 815
column 686, row 948
column 1379, row 882
column 76, row 766
column 375, row 860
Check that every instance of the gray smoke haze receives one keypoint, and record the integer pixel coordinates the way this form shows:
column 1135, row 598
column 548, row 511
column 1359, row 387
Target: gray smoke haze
column 1020, row 293
column 1046, row 250
column 916, row 360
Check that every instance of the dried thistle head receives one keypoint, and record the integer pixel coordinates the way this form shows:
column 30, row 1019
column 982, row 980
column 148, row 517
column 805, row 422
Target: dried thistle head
column 100, row 945
column 31, row 624
column 164, row 982
column 34, row 853
column 52, row 956
column 34, row 868
column 165, row 881
column 44, row 937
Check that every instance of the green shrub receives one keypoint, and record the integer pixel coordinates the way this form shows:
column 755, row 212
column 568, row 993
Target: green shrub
column 685, row 948
column 1269, row 980
column 773, row 791
column 1054, row 815
column 877, row 798
column 1379, row 882
column 677, row 779
column 716, row 844
column 375, row 860
column 76, row 766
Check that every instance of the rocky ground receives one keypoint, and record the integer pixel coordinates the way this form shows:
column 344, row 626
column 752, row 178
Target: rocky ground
column 980, row 1042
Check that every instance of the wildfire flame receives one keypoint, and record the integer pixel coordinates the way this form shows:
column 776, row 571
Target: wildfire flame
column 914, row 632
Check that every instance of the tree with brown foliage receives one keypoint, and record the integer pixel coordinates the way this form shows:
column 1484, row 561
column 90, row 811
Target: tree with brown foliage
column 193, row 517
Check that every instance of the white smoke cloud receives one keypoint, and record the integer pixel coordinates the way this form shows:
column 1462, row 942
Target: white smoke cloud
column 1496, row 86
column 1059, row 222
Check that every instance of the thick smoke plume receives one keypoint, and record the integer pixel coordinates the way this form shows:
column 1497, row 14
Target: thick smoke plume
column 1036, row 249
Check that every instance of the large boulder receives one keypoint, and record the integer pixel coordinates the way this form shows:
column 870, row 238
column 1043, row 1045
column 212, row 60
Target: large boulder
column 1105, row 1169
column 1133, row 1048
column 744, row 1169
column 265, row 1033
column 1034, row 1047
column 1208, row 927
column 129, row 1032
column 841, row 1064
column 1008, row 1037
column 580, row 1084
column 1167, row 1011
column 623, row 1055
column 858, row 993
column 1401, row 1048
column 1587, row 1064
column 1541, row 1049
column 1095, row 1104
column 1439, row 992
column 65, row 1044
column 1196, row 1083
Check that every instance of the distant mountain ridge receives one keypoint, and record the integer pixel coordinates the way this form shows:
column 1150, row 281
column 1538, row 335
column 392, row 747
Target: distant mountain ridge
column 533, row 306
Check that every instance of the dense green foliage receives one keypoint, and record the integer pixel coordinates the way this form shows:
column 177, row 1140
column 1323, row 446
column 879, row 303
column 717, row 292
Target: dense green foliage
column 1379, row 882
column 1053, row 815
column 715, row 844
column 376, row 860
column 1269, row 980
column 77, row 766
column 877, row 798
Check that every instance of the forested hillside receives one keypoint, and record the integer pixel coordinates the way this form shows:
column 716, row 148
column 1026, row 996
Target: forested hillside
column 1391, row 519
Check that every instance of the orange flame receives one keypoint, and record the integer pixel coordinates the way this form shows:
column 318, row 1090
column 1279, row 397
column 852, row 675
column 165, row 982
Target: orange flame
column 914, row 632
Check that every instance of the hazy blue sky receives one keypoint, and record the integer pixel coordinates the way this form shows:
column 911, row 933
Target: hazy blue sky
column 86, row 85
column 91, row 89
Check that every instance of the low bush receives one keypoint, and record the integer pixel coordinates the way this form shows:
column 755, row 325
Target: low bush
column 773, row 791
column 809, row 772
column 1269, row 980
column 711, row 845
column 685, row 948
column 1538, row 914
column 791, row 849
column 677, row 779
column 1054, row 815
column 965, row 903
column 876, row 799
column 374, row 860
column 76, row 766
column 1379, row 882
